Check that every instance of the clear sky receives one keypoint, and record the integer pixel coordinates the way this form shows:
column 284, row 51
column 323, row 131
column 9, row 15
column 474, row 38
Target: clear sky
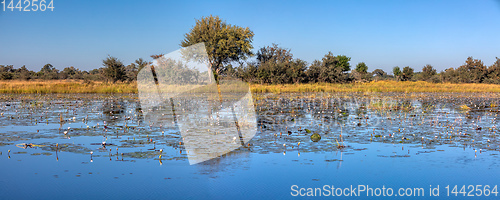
column 383, row 34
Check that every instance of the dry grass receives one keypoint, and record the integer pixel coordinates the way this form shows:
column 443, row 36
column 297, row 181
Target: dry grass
column 377, row 86
column 66, row 86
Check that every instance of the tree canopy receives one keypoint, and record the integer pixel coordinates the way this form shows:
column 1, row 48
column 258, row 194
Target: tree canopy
column 224, row 42
column 114, row 69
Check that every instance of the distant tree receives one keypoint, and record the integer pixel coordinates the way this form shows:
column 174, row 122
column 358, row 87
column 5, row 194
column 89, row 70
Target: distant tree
column 331, row 69
column 48, row 72
column 379, row 73
column 6, row 72
column 247, row 71
column 47, row 68
column 397, row 73
column 224, row 42
column 407, row 73
column 114, row 69
column 494, row 73
column 23, row 73
column 449, row 75
column 428, row 72
column 361, row 67
column 473, row 71
column 361, row 72
column 140, row 63
column 275, row 65
column 131, row 72
column 70, row 73
column 314, row 71
column 296, row 73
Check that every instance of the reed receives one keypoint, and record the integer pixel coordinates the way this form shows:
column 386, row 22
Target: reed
column 378, row 86
column 74, row 86
column 65, row 86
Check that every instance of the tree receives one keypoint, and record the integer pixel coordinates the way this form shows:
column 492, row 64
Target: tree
column 47, row 68
column 275, row 65
column 362, row 68
column 397, row 73
column 473, row 71
column 140, row 63
column 114, row 69
column 70, row 73
column 23, row 73
column 379, row 74
column 6, row 72
column 494, row 72
column 361, row 72
column 428, row 72
column 224, row 42
column 134, row 68
column 331, row 69
column 407, row 73
column 48, row 72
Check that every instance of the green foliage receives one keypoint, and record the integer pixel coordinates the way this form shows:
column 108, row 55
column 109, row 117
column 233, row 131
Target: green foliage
column 114, row 69
column 427, row 73
column 331, row 69
column 397, row 73
column 133, row 69
column 23, row 73
column 361, row 72
column 48, row 72
column 361, row 67
column 379, row 74
column 275, row 65
column 71, row 73
column 6, row 72
column 224, row 42
column 473, row 71
column 494, row 73
column 407, row 73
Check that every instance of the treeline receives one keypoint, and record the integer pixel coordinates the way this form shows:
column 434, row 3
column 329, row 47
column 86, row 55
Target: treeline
column 276, row 65
column 114, row 70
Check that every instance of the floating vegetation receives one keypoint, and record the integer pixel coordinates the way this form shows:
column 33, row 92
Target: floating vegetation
column 5, row 143
column 303, row 122
column 315, row 137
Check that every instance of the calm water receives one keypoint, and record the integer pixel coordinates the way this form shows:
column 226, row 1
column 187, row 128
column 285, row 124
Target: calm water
column 382, row 139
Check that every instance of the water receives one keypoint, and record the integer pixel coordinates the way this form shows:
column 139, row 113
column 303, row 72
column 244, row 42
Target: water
column 389, row 140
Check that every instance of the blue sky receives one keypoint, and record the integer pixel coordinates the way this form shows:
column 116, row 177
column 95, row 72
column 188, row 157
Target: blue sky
column 383, row 34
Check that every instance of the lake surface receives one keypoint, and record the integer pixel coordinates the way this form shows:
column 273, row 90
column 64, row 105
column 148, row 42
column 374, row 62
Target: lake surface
column 371, row 140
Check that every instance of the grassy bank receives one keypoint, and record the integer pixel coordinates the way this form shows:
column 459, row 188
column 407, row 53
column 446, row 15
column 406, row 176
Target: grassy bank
column 59, row 86
column 62, row 86
column 378, row 86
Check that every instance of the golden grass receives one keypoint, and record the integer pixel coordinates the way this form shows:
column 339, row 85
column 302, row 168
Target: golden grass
column 65, row 86
column 72, row 86
column 377, row 86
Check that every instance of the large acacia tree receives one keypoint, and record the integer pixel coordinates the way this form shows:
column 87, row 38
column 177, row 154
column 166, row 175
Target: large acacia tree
column 224, row 42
